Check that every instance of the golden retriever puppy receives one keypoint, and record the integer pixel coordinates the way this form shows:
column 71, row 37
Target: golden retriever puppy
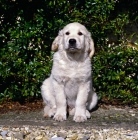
column 70, row 82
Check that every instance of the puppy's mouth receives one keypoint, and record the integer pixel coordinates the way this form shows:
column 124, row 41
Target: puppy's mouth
column 72, row 48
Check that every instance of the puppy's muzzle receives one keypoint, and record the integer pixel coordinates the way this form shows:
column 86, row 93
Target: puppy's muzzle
column 72, row 44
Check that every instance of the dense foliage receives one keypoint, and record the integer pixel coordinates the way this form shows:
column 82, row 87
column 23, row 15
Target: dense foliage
column 117, row 74
column 28, row 28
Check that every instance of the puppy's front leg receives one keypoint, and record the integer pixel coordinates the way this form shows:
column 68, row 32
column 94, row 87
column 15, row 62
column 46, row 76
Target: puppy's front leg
column 60, row 101
column 80, row 108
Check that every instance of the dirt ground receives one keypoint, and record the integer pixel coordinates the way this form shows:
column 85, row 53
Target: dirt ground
column 104, row 116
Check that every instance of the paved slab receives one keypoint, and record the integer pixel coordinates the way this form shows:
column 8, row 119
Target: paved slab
column 103, row 117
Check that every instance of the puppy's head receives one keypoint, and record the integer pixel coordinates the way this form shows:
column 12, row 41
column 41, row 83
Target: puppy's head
column 74, row 37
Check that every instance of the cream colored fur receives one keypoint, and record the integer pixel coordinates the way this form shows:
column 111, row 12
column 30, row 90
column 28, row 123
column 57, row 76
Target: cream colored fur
column 70, row 82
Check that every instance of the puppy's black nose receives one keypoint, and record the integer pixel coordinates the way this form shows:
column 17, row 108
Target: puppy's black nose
column 72, row 41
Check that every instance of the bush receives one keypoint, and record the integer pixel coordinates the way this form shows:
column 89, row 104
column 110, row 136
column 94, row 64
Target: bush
column 115, row 74
column 26, row 38
column 24, row 61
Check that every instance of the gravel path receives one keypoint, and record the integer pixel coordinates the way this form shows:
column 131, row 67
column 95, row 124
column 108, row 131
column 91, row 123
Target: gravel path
column 106, row 123
column 48, row 133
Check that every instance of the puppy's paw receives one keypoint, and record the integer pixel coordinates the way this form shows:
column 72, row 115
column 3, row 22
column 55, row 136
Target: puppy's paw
column 88, row 115
column 80, row 118
column 72, row 112
column 49, row 112
column 52, row 112
column 59, row 117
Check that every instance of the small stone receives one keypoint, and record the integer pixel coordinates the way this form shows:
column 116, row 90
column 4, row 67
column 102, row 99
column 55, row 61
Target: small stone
column 74, row 137
column 103, row 123
column 132, row 115
column 30, row 136
column 129, row 134
column 16, row 129
column 5, row 128
column 57, row 138
column 129, row 130
column 27, row 129
column 39, row 138
column 84, row 138
column 19, row 135
column 87, row 132
column 55, row 124
column 4, row 133
column 46, row 138
column 60, row 134
column 9, row 138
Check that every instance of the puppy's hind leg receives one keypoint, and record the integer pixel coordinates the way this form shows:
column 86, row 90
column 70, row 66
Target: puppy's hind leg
column 48, row 99
column 92, row 101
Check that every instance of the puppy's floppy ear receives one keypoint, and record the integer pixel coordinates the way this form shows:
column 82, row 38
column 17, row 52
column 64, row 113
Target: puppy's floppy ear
column 91, row 48
column 57, row 41
column 90, row 45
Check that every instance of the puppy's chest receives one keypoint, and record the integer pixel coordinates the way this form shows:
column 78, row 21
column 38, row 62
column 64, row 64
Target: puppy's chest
column 74, row 70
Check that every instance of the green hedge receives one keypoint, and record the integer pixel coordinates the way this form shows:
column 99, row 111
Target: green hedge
column 115, row 73
column 28, row 29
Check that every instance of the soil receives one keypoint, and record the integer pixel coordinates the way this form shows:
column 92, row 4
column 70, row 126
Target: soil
column 37, row 104
column 27, row 106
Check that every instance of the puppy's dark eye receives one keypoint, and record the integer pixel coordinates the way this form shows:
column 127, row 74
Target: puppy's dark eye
column 79, row 33
column 67, row 33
